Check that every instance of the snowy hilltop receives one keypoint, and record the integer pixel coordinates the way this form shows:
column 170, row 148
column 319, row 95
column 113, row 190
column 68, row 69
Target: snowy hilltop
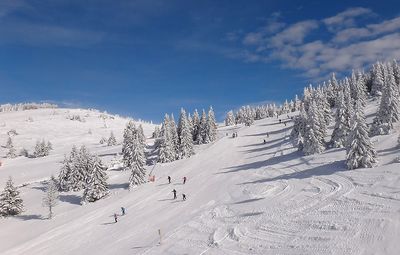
column 318, row 175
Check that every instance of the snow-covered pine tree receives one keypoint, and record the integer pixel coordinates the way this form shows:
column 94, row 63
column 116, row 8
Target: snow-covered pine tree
column 396, row 72
column 165, row 152
column 314, row 134
column 297, row 103
column 10, row 201
column 342, row 128
column 65, row 175
column 174, row 137
column 299, row 129
column 202, row 135
column 185, row 138
column 388, row 112
column 142, row 137
column 96, row 183
column 196, row 125
column 50, row 198
column 41, row 149
column 360, row 151
column 12, row 153
column 211, row 125
column 190, row 123
column 80, row 168
column 112, row 141
column 377, row 74
column 323, row 106
column 230, row 119
column 136, row 161
column 156, row 132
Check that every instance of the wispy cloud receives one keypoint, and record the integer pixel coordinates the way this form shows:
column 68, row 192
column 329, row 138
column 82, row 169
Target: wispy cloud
column 345, row 45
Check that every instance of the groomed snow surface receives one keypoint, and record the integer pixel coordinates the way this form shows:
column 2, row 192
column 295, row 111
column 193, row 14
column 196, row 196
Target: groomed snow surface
column 243, row 196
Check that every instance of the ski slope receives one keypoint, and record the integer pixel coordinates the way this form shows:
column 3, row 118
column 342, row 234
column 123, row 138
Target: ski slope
column 243, row 197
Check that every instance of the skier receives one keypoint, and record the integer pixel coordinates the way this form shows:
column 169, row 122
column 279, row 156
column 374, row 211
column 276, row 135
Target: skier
column 169, row 179
column 183, row 197
column 265, row 141
column 184, row 179
column 280, row 121
column 284, row 123
column 123, row 210
column 115, row 217
column 174, row 191
column 233, row 135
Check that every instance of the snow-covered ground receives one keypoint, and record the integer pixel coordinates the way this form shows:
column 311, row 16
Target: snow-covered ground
column 243, row 196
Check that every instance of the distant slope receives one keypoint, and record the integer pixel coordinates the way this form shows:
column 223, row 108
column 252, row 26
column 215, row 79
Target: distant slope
column 56, row 126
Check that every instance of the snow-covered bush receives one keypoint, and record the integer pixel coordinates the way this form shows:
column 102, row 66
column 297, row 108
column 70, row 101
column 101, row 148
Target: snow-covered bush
column 42, row 149
column 103, row 140
column 24, row 153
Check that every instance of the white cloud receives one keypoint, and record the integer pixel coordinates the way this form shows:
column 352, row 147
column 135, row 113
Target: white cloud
column 344, row 49
column 345, row 18
column 294, row 34
column 370, row 30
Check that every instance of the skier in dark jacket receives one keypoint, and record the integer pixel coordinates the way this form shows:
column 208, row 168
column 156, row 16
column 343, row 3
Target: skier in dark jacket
column 115, row 218
column 174, row 191
column 184, row 179
column 183, row 197
column 123, row 210
column 169, row 179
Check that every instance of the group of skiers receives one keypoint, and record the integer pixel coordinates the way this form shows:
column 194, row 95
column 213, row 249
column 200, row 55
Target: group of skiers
column 123, row 211
column 174, row 190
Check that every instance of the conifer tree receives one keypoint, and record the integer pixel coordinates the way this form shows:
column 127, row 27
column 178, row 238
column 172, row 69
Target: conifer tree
column 142, row 137
column 65, row 175
column 388, row 112
column 342, row 127
column 136, row 163
column 202, row 135
column 96, row 186
column 10, row 202
column 190, row 123
column 80, row 168
column 377, row 74
column 11, row 150
column 299, row 129
column 112, row 141
column 156, row 132
column 185, row 138
column 196, row 125
column 211, row 125
column 165, row 153
column 360, row 152
column 174, row 137
column 230, row 119
column 50, row 198
column 314, row 134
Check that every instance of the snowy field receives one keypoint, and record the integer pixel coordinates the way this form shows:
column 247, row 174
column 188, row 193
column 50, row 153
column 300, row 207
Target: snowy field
column 243, row 196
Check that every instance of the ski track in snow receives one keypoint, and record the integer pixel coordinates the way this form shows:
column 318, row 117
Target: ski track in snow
column 244, row 197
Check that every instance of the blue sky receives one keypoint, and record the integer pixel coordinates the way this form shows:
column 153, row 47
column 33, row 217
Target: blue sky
column 146, row 57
